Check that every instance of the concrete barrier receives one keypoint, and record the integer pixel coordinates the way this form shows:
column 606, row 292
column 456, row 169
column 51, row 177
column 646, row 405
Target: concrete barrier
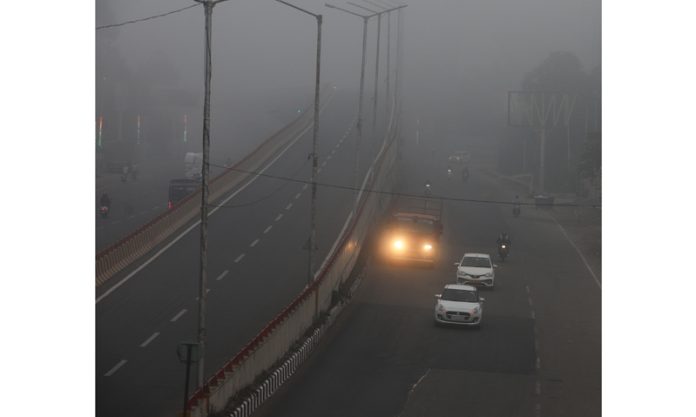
column 278, row 336
column 126, row 251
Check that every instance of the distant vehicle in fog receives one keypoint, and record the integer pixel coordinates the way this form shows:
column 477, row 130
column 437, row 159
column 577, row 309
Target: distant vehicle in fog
column 193, row 164
column 181, row 188
column 460, row 157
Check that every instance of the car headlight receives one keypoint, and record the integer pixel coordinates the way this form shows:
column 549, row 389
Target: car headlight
column 476, row 310
column 427, row 247
column 440, row 309
column 489, row 275
column 398, row 244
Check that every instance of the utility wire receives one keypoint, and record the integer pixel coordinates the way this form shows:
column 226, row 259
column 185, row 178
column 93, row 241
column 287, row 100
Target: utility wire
column 146, row 18
column 391, row 193
column 266, row 197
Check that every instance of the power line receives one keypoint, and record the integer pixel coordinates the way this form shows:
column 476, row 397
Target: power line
column 146, row 18
column 391, row 193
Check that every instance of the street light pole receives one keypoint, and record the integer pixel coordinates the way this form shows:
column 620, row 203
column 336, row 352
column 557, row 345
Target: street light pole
column 205, row 170
column 359, row 125
column 315, row 132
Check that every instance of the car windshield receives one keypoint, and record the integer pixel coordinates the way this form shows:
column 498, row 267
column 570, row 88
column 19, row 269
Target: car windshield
column 451, row 294
column 475, row 261
column 417, row 225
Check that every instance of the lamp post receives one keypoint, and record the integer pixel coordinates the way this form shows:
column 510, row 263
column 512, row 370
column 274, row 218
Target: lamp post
column 205, row 169
column 379, row 26
column 313, row 205
column 359, row 125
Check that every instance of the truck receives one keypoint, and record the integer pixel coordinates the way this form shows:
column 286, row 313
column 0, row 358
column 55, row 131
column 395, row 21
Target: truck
column 411, row 233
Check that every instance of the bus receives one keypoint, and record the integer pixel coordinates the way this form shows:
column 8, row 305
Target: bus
column 181, row 188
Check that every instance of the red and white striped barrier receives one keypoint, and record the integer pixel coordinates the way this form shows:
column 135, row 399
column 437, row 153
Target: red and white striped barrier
column 278, row 336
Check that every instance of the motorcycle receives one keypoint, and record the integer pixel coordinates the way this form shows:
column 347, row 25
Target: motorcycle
column 449, row 173
column 503, row 250
column 516, row 210
column 104, row 211
column 428, row 190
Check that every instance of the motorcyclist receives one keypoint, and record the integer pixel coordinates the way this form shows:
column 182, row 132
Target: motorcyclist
column 104, row 200
column 427, row 187
column 503, row 238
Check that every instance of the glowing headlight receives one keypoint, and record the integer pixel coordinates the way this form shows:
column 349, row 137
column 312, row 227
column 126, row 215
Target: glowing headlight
column 475, row 310
column 398, row 244
column 427, row 247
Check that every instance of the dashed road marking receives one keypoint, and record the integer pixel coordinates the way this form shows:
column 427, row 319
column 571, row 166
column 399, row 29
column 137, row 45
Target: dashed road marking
column 527, row 288
column 254, row 243
column 529, row 300
column 537, row 388
column 328, row 158
column 239, row 258
column 222, row 275
column 538, row 363
column 323, row 164
column 304, row 187
column 278, row 217
column 533, row 315
column 268, row 229
column 318, row 170
column 149, row 339
column 178, row 315
column 297, row 195
column 289, row 206
column 116, row 367
column 582, row 257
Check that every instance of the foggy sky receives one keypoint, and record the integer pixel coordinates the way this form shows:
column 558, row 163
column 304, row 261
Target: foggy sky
column 455, row 50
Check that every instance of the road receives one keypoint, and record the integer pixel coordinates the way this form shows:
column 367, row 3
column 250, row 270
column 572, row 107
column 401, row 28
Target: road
column 136, row 202
column 256, row 265
column 538, row 352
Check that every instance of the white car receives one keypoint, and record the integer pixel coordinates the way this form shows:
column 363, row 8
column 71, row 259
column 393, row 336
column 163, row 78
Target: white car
column 476, row 269
column 459, row 304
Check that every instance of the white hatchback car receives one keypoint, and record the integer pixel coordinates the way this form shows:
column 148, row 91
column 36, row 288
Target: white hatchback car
column 476, row 269
column 459, row 304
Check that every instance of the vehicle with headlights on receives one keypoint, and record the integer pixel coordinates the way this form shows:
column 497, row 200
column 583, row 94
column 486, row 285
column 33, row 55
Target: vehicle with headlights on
column 476, row 269
column 412, row 232
column 459, row 304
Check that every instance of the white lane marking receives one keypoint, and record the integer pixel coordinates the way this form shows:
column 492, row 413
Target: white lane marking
column 537, row 388
column 297, row 195
column 328, row 158
column 304, row 187
column 318, row 170
column 193, row 226
column 527, row 288
column 333, row 151
column 207, row 290
column 222, row 275
column 116, row 367
column 419, row 380
column 149, row 339
column 323, row 164
column 278, row 217
column 289, row 206
column 538, row 363
column 529, row 300
column 268, row 229
column 537, row 412
column 587, row 265
column 239, row 258
column 178, row 315
column 533, row 315
column 254, row 243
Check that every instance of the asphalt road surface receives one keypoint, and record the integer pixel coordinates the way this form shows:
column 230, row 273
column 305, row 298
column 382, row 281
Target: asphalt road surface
column 256, row 265
column 538, row 352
